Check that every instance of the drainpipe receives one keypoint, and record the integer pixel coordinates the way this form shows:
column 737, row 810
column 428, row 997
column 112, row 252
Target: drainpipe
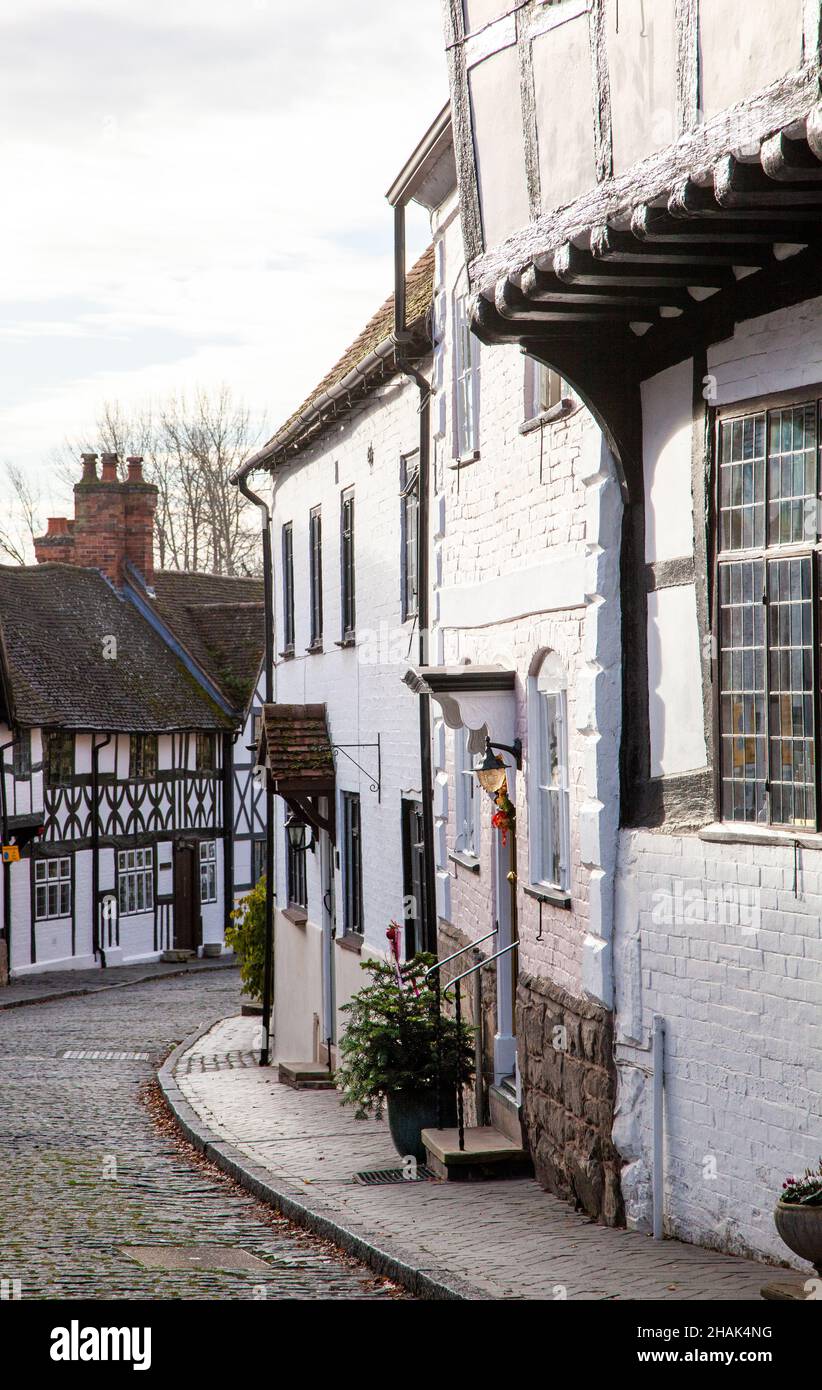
column 6, row 867
column 426, row 768
column 658, row 1062
column 268, row 601
column 228, row 827
column 95, row 839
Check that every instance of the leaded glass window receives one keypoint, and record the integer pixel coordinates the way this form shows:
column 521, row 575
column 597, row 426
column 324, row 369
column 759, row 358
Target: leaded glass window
column 767, row 589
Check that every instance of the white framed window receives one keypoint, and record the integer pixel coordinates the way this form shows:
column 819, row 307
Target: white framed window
column 549, row 798
column 208, row 871
column 135, row 881
column 467, row 798
column 544, row 388
column 52, row 888
column 466, row 381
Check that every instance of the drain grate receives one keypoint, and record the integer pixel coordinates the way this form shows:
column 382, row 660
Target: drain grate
column 383, row 1177
column 107, row 1056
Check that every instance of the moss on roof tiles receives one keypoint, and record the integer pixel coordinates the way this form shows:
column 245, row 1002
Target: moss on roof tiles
column 78, row 655
column 220, row 620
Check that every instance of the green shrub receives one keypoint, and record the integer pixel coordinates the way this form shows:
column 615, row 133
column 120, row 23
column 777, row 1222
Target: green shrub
column 245, row 934
column 390, row 1040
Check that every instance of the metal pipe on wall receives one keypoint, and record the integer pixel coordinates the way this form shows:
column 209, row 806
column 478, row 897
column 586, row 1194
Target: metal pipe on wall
column 4, row 810
column 658, row 1062
column 95, row 839
column 268, row 603
column 423, row 499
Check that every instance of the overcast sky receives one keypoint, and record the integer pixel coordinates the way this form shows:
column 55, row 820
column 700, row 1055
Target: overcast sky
column 193, row 193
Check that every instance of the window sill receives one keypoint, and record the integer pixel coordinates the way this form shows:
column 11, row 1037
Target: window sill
column 287, row 655
column 729, row 833
column 563, row 408
column 315, row 649
column 297, row 915
column 350, row 941
column 556, row 897
column 467, row 861
column 350, row 640
column 464, row 460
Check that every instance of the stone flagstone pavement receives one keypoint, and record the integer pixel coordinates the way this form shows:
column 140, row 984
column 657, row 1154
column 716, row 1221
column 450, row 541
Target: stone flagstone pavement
column 506, row 1239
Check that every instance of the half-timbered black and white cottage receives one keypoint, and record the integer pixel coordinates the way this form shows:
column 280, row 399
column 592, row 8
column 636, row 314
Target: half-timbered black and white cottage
column 127, row 708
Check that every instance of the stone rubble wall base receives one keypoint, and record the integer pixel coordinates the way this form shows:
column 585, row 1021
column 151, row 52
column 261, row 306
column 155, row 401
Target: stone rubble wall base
column 565, row 1052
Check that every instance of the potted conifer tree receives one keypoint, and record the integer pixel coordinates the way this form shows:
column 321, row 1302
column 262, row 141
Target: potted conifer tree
column 390, row 1050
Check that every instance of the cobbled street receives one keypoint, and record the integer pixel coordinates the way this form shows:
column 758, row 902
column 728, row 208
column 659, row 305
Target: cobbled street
column 87, row 1170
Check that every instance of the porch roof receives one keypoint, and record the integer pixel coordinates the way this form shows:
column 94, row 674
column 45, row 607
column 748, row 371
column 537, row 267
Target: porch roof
column 296, row 748
column 477, row 698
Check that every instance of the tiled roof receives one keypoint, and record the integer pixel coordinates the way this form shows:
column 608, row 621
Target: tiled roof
column 78, row 656
column 220, row 620
column 296, row 745
column 419, row 290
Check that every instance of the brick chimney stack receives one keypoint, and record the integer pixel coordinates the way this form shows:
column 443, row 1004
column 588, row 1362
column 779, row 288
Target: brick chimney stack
column 113, row 522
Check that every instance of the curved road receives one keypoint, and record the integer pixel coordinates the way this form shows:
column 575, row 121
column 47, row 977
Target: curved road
column 86, row 1171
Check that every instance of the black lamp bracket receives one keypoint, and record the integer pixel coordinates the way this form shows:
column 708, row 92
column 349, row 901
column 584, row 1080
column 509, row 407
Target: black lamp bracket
column 515, row 749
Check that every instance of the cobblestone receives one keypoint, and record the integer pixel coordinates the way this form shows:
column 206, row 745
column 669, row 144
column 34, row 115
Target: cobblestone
column 508, row 1239
column 87, row 1171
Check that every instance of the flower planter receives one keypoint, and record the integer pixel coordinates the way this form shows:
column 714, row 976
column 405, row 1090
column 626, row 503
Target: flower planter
column 410, row 1112
column 800, row 1226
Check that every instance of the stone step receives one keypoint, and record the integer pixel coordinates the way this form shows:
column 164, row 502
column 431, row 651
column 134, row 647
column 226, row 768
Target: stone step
column 306, row 1076
column 505, row 1113
column 487, row 1154
column 176, row 956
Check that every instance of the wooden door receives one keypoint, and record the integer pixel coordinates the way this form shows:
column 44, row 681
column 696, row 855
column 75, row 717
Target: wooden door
column 186, row 898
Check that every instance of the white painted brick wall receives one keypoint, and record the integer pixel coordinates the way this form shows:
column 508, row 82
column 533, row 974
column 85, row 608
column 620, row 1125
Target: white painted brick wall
column 528, row 498
column 740, row 988
column 362, row 688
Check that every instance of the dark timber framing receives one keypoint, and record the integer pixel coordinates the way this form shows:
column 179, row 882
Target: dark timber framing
column 658, row 286
column 603, row 132
column 470, row 215
column 687, row 72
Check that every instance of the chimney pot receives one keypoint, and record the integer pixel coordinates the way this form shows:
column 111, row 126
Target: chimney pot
column 135, row 468
column 89, row 468
column 109, row 468
column 57, row 526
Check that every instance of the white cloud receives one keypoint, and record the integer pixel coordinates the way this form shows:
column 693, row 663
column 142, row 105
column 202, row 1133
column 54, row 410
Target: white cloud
column 195, row 194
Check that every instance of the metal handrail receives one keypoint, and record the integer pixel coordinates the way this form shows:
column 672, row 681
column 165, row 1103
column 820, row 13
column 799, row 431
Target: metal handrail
column 458, row 1012
column 486, row 960
column 438, row 964
column 436, row 967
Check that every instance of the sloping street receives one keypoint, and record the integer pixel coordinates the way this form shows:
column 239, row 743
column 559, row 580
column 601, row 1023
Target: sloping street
column 88, row 1173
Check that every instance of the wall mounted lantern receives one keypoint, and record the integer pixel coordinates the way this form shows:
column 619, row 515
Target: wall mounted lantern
column 491, row 772
column 298, row 834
